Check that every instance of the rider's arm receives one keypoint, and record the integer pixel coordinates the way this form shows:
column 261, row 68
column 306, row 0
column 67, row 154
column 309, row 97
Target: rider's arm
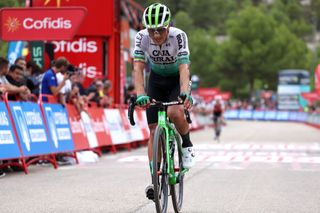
column 138, row 68
column 139, row 58
column 184, row 78
column 183, row 61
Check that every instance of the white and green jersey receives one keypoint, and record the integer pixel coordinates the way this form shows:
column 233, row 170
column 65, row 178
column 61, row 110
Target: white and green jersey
column 164, row 59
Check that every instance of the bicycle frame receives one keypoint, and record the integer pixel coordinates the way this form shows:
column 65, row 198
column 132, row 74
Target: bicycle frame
column 169, row 128
column 170, row 132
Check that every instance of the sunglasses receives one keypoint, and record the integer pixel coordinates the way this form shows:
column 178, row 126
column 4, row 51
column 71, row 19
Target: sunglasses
column 159, row 30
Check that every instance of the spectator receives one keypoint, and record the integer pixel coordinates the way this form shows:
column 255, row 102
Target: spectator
column 49, row 84
column 4, row 67
column 106, row 100
column 15, row 78
column 93, row 91
column 20, row 61
column 15, row 75
column 129, row 92
column 34, row 75
column 66, row 89
column 5, row 84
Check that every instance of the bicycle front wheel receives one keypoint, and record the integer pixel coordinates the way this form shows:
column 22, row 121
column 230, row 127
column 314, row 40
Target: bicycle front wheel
column 176, row 190
column 159, row 175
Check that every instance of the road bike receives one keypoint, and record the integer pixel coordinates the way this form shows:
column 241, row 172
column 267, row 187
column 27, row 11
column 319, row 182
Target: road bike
column 167, row 169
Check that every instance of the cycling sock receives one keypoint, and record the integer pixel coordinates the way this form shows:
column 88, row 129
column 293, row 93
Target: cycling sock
column 186, row 140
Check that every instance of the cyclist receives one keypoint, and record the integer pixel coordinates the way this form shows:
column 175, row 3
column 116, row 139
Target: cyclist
column 166, row 48
column 218, row 107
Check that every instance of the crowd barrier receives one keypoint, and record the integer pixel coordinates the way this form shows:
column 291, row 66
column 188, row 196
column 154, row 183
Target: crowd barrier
column 32, row 131
column 274, row 115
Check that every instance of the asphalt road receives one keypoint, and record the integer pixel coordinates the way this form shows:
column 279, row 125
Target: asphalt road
column 257, row 167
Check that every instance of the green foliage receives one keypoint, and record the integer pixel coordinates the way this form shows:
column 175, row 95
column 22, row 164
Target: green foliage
column 257, row 49
column 203, row 47
column 11, row 3
column 183, row 21
column 315, row 12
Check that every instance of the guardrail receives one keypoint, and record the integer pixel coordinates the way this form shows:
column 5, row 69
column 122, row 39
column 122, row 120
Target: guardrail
column 273, row 115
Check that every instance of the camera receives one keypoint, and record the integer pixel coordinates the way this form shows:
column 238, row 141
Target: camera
column 71, row 70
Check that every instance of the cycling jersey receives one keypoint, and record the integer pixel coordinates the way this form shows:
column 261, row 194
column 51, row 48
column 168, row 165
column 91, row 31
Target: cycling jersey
column 217, row 108
column 164, row 59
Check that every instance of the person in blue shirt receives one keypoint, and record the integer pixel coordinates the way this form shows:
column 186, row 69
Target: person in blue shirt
column 49, row 84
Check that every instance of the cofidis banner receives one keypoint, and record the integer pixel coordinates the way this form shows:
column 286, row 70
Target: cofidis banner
column 31, row 129
column 8, row 144
column 115, row 124
column 59, row 127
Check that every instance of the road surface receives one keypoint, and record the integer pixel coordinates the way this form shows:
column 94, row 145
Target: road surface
column 257, row 167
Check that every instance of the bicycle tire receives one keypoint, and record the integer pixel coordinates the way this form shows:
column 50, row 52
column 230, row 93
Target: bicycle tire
column 160, row 178
column 176, row 190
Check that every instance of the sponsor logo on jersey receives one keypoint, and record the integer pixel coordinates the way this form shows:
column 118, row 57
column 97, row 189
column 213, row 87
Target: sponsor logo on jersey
column 161, row 56
column 182, row 43
column 138, row 39
column 179, row 41
column 184, row 38
column 138, row 52
column 183, row 53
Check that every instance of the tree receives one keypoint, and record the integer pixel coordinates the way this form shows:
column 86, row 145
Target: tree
column 293, row 15
column 211, row 14
column 258, row 48
column 183, row 21
column 203, row 48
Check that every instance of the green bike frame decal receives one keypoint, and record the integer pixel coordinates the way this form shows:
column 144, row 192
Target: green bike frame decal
column 162, row 118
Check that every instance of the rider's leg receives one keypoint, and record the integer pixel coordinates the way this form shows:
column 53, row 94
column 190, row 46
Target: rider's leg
column 150, row 189
column 152, row 128
column 176, row 114
column 215, row 123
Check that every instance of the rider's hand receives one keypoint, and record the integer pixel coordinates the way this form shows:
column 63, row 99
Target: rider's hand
column 143, row 100
column 187, row 100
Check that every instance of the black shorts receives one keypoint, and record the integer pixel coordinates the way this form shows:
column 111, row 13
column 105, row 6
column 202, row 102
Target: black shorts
column 216, row 115
column 161, row 88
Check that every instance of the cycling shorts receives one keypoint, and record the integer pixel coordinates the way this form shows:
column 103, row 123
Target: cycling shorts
column 216, row 115
column 161, row 88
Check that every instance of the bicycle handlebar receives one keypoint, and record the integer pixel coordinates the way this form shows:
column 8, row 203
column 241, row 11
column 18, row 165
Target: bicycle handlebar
column 159, row 104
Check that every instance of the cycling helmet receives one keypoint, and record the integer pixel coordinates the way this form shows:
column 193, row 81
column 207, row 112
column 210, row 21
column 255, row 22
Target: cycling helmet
column 218, row 98
column 156, row 15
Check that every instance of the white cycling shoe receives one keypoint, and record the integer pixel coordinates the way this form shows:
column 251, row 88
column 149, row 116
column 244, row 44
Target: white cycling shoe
column 188, row 157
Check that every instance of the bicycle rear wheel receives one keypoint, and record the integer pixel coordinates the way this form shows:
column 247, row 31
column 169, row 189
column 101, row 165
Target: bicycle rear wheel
column 176, row 190
column 160, row 176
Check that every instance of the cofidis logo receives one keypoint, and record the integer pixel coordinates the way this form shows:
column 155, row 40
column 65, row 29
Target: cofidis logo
column 40, row 23
column 13, row 24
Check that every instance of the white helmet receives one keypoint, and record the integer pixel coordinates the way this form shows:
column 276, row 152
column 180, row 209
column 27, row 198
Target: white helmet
column 156, row 15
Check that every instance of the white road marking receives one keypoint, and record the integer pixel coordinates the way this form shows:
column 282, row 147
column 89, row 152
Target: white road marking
column 294, row 154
